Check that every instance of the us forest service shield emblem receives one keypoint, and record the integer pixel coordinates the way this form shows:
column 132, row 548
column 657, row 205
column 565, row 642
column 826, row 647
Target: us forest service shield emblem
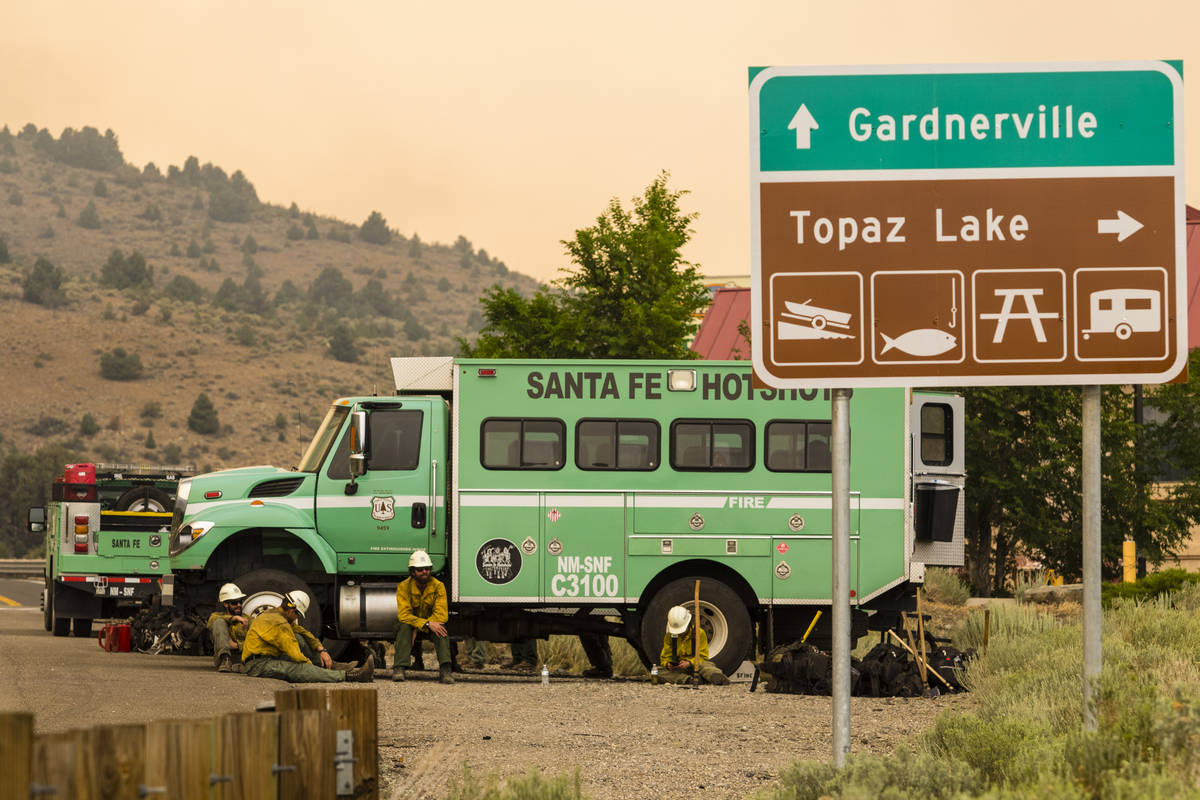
column 498, row 561
column 383, row 508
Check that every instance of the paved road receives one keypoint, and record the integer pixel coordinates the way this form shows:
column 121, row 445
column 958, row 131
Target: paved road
column 68, row 682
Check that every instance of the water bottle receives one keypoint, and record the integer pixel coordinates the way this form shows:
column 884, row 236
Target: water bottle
column 545, row 675
column 654, row 675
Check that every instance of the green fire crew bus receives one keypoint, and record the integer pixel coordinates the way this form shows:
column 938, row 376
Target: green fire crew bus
column 586, row 497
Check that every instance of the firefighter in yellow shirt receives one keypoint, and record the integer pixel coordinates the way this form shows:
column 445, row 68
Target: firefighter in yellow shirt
column 422, row 610
column 273, row 649
column 677, row 662
column 228, row 628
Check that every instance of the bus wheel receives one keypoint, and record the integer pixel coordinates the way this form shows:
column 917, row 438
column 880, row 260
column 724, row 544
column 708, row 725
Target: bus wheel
column 145, row 498
column 265, row 588
column 723, row 616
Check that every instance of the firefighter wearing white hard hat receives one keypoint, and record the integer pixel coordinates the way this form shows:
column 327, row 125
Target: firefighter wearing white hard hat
column 276, row 642
column 227, row 627
column 422, row 610
column 681, row 661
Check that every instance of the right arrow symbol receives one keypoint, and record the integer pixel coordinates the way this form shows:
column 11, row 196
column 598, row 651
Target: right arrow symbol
column 1123, row 226
column 803, row 124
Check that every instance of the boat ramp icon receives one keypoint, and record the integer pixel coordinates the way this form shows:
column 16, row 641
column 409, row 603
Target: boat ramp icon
column 807, row 321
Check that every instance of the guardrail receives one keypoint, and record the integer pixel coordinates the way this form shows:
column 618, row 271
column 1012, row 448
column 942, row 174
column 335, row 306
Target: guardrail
column 21, row 567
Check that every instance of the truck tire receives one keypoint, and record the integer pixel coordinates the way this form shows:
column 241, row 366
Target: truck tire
column 265, row 588
column 59, row 626
column 723, row 615
column 81, row 627
column 47, row 611
column 145, row 498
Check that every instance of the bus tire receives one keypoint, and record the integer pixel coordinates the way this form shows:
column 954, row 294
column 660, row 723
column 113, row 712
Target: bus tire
column 266, row 587
column 145, row 498
column 723, row 615
column 81, row 627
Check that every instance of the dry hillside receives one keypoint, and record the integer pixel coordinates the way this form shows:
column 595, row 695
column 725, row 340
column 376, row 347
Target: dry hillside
column 266, row 366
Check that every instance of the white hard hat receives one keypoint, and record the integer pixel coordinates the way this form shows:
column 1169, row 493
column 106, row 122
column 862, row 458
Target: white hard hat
column 678, row 619
column 297, row 599
column 419, row 558
column 230, row 592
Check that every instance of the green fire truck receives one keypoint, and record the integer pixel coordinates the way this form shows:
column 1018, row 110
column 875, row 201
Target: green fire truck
column 106, row 533
column 586, row 497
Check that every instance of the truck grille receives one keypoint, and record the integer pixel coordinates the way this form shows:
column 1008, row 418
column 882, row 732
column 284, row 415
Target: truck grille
column 276, row 488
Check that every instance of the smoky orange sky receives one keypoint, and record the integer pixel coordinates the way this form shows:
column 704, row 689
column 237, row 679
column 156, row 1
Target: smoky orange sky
column 512, row 124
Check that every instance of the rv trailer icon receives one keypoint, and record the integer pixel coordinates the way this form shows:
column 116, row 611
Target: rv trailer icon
column 806, row 321
column 1124, row 312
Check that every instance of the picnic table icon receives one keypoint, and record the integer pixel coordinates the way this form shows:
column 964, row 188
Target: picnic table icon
column 807, row 321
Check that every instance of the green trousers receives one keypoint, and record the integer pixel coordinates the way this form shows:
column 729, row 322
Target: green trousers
column 219, row 630
column 404, row 646
column 292, row 672
column 709, row 673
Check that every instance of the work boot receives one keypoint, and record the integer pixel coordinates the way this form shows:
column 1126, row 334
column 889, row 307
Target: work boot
column 363, row 674
column 444, row 675
column 225, row 663
column 597, row 672
column 398, row 675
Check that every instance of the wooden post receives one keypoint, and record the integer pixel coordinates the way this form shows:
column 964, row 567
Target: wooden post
column 179, row 758
column 16, row 755
column 58, row 768
column 356, row 709
column 115, row 758
column 306, row 748
column 987, row 626
column 921, row 633
column 245, row 752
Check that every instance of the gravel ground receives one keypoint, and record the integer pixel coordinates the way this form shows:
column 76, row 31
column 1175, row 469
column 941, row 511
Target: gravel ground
column 627, row 738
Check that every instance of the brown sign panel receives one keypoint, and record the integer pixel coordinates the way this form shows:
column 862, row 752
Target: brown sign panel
column 1011, row 280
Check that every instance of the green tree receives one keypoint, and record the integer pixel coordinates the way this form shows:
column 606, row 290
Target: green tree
column 119, row 365
column 150, row 443
column 5, row 258
column 632, row 294
column 25, row 481
column 121, row 272
column 183, row 288
column 101, row 188
column 88, row 426
column 341, row 344
column 375, row 229
column 295, row 233
column 43, row 285
column 203, row 417
column 89, row 218
column 331, row 288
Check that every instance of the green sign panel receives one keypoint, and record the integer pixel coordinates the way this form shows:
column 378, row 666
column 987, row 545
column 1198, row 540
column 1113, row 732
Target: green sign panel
column 1098, row 116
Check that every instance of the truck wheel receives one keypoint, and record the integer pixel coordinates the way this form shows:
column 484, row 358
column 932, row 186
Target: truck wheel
column 81, row 627
column 60, row 626
column 265, row 588
column 723, row 616
column 145, row 498
column 47, row 611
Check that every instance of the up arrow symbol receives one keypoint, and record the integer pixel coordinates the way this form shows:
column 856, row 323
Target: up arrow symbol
column 803, row 124
column 1123, row 226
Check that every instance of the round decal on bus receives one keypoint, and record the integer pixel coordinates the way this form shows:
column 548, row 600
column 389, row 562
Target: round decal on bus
column 498, row 561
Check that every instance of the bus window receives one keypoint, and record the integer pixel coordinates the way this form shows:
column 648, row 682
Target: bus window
column 712, row 445
column 624, row 444
column 522, row 443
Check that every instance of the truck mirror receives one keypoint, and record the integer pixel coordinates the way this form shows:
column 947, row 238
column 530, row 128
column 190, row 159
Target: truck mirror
column 358, row 444
column 37, row 519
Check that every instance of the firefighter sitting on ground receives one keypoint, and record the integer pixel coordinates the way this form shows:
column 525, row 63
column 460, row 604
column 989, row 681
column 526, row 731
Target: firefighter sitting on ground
column 677, row 664
column 228, row 628
column 276, row 642
column 422, row 611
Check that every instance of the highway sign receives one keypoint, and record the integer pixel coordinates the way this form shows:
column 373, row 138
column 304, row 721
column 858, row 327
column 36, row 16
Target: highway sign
column 968, row 225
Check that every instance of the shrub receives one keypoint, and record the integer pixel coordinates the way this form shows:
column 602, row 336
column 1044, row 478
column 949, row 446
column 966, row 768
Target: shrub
column 249, row 244
column 172, row 454
column 375, row 229
column 88, row 426
column 246, row 336
column 184, row 289
column 150, row 444
column 203, row 417
column 5, row 258
column 89, row 218
column 1149, row 586
column 531, row 786
column 295, row 233
column 151, row 410
column 119, row 365
column 193, row 249
column 121, row 272
column 15, row 198
column 943, row 586
column 7, row 166
column 101, row 188
column 43, row 285
column 341, row 344
column 154, row 214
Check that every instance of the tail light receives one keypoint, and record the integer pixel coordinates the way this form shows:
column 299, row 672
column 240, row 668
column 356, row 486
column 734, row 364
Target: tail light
column 81, row 533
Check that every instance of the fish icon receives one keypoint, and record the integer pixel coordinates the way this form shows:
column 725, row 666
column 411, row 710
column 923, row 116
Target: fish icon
column 920, row 342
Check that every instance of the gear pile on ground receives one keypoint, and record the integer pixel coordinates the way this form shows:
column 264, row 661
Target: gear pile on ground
column 170, row 631
column 886, row 671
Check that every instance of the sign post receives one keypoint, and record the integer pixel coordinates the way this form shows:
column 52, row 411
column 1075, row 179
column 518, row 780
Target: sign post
column 967, row 225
